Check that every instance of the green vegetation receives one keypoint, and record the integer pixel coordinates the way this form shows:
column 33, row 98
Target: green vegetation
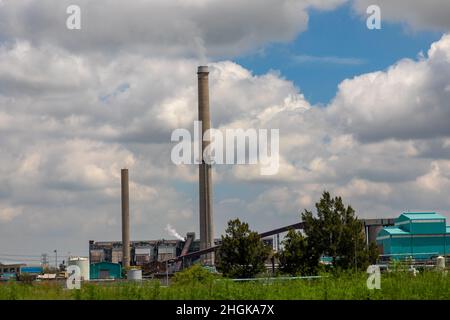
column 337, row 233
column 242, row 254
column 195, row 274
column 295, row 258
column 396, row 285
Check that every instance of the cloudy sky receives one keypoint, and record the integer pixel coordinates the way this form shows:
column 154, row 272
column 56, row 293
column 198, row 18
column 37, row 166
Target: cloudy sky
column 362, row 113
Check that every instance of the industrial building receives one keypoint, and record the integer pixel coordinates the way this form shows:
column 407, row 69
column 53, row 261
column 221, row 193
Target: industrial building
column 145, row 253
column 9, row 271
column 420, row 235
column 11, row 268
column 141, row 252
column 12, row 271
column 105, row 270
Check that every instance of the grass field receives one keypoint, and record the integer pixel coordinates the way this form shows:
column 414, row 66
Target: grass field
column 429, row 285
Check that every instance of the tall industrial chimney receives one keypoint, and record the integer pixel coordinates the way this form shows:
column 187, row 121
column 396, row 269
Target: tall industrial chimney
column 125, row 219
column 205, row 184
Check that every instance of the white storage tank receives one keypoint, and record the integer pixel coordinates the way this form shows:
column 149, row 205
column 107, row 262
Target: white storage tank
column 83, row 264
column 440, row 263
column 134, row 274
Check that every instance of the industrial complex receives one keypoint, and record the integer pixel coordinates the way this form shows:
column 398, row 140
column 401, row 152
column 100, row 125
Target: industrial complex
column 153, row 257
column 422, row 235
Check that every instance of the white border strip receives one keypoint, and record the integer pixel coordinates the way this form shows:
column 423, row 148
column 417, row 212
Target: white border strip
column 428, row 221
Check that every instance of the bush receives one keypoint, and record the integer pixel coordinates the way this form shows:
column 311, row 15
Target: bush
column 26, row 278
column 194, row 275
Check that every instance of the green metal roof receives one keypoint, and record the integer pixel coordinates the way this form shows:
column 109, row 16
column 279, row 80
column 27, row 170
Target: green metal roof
column 395, row 230
column 423, row 216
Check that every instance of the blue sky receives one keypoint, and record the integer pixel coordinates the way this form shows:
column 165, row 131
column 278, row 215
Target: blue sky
column 347, row 48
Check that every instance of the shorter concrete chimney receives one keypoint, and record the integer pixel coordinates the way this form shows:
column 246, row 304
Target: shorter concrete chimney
column 125, row 219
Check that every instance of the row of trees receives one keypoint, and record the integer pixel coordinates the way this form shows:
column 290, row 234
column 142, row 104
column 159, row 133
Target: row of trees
column 334, row 232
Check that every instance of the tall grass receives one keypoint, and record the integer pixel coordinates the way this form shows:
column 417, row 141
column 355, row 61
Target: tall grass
column 398, row 285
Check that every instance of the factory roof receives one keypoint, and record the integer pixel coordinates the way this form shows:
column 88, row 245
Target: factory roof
column 423, row 216
column 395, row 230
column 12, row 263
column 105, row 263
column 118, row 244
column 164, row 241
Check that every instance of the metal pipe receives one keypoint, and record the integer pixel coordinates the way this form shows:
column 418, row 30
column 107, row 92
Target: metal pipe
column 167, row 273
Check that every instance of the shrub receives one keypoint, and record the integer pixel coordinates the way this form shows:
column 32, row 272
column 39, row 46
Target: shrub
column 194, row 275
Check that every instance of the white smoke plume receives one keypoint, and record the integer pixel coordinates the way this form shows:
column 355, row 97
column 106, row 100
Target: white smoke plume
column 174, row 232
column 200, row 50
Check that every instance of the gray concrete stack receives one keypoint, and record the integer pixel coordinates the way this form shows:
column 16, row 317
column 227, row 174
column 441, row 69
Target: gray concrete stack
column 125, row 219
column 205, row 182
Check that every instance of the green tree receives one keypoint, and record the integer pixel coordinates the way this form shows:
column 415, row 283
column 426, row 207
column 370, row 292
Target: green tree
column 336, row 232
column 294, row 258
column 373, row 253
column 242, row 253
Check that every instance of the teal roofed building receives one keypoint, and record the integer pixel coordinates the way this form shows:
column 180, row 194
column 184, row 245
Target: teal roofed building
column 421, row 235
column 105, row 270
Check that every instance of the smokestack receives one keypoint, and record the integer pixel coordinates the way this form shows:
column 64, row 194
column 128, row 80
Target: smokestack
column 205, row 184
column 125, row 219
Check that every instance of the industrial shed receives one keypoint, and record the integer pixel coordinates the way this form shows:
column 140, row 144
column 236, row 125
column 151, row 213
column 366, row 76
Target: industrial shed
column 421, row 235
column 105, row 270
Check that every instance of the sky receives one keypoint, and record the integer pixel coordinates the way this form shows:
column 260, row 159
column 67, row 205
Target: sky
column 362, row 113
